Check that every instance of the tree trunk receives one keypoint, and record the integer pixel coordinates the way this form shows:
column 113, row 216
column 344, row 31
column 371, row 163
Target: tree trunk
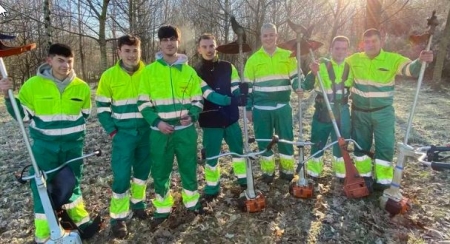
column 80, row 43
column 373, row 14
column 47, row 24
column 442, row 53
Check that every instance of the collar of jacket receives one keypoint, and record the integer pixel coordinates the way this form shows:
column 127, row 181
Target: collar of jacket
column 380, row 56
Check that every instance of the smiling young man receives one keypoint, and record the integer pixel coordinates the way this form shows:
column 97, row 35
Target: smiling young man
column 219, row 119
column 119, row 115
column 373, row 116
column 57, row 104
column 272, row 74
column 170, row 99
column 337, row 82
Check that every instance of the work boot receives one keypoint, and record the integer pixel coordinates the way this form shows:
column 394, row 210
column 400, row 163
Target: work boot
column 369, row 183
column 380, row 187
column 119, row 229
column 243, row 186
column 285, row 176
column 267, row 178
column 209, row 197
column 92, row 228
column 140, row 214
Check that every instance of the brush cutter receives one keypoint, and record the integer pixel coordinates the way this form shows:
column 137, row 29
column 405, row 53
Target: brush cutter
column 431, row 156
column 392, row 200
column 299, row 186
column 354, row 185
column 57, row 233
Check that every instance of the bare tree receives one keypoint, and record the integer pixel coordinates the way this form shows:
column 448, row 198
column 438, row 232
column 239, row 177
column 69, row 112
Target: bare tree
column 443, row 51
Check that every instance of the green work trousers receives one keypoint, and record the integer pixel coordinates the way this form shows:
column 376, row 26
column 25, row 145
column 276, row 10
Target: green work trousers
column 182, row 144
column 212, row 143
column 377, row 126
column 130, row 160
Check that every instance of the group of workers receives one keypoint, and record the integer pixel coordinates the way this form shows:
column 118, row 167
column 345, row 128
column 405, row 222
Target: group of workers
column 149, row 113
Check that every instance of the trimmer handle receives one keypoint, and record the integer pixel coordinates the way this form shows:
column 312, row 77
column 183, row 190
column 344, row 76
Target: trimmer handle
column 438, row 166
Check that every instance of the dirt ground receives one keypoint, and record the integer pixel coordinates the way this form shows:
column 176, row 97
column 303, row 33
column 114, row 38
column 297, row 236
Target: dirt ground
column 329, row 217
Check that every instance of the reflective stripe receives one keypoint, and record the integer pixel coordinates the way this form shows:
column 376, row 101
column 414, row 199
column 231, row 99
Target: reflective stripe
column 372, row 94
column 366, row 174
column 86, row 111
column 280, row 105
column 207, row 92
column 127, row 115
column 286, row 156
column 40, row 216
column 103, row 109
column 400, row 68
column 384, row 182
column 177, row 127
column 383, row 163
column 271, row 77
column 189, row 193
column 172, row 115
column 59, row 117
column 120, row 195
column 340, row 175
column 312, row 173
column 212, row 183
column 271, row 89
column 361, row 158
column 27, row 112
column 119, row 216
column 145, row 105
column 163, row 209
column 330, row 91
column 103, row 99
column 73, row 204
column 190, row 204
column 198, row 104
column 234, row 88
column 407, row 71
column 124, row 102
column 58, row 132
column 139, row 181
column 160, row 102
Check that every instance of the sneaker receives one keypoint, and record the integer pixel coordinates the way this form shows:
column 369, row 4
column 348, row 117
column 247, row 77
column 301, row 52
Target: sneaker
column 285, row 176
column 267, row 178
column 140, row 214
column 155, row 222
column 92, row 228
column 119, row 229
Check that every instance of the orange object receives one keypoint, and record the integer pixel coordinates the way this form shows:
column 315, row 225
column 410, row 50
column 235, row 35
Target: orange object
column 254, row 205
column 401, row 207
column 354, row 184
column 301, row 191
column 6, row 51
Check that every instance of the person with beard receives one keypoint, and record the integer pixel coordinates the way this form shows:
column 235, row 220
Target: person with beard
column 272, row 73
column 119, row 116
column 219, row 119
column 373, row 116
column 170, row 99
column 57, row 104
